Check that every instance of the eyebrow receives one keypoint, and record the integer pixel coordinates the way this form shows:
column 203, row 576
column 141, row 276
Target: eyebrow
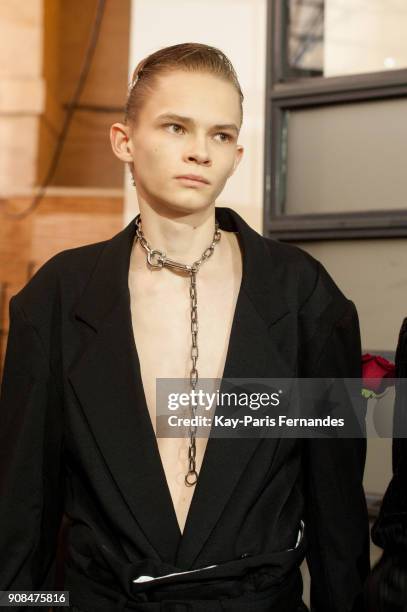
column 189, row 120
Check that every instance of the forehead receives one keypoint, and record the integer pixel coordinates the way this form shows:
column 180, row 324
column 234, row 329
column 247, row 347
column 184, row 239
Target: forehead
column 194, row 94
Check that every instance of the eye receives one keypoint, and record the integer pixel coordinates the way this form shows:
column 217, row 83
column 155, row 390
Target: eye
column 176, row 125
column 227, row 138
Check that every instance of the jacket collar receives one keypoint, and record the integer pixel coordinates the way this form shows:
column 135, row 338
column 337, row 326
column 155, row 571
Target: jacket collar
column 259, row 275
column 107, row 381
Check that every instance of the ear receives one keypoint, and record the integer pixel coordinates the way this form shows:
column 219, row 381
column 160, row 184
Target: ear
column 120, row 141
column 238, row 157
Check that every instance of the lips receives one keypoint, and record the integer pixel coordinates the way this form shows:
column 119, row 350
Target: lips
column 193, row 178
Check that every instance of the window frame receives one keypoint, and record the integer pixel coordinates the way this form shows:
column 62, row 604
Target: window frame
column 304, row 93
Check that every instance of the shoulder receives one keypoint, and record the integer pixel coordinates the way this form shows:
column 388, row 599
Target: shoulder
column 328, row 322
column 308, row 277
column 64, row 275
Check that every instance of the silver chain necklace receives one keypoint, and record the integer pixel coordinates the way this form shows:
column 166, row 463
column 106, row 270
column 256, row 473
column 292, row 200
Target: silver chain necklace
column 157, row 259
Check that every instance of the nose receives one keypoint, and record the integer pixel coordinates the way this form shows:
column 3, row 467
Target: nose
column 198, row 151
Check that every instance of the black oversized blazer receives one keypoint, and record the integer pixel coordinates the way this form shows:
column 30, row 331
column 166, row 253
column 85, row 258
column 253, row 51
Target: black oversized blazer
column 76, row 438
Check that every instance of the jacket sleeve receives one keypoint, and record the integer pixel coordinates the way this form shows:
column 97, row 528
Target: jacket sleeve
column 30, row 464
column 390, row 529
column 387, row 586
column 336, row 512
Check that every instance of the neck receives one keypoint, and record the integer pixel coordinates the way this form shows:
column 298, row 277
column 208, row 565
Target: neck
column 183, row 238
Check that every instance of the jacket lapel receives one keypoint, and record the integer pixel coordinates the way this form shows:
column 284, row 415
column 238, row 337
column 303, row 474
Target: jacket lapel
column 259, row 347
column 107, row 381
column 108, row 384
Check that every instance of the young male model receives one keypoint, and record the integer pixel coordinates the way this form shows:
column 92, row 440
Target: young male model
column 168, row 523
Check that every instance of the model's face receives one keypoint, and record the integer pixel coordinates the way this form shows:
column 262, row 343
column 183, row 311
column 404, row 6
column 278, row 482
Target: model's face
column 178, row 133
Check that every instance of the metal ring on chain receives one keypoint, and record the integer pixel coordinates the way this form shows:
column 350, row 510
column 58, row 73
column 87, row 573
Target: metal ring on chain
column 158, row 256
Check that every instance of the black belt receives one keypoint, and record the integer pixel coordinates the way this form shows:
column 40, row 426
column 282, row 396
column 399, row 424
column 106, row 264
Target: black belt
column 284, row 597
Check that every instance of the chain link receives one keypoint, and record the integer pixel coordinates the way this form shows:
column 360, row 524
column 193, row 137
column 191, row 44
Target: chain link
column 157, row 259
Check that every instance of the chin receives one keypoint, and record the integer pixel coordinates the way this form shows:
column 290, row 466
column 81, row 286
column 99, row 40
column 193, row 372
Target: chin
column 189, row 205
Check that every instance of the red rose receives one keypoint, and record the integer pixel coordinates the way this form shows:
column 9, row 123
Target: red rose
column 377, row 373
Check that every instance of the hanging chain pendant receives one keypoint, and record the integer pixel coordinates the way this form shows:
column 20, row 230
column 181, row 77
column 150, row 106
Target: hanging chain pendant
column 192, row 475
column 157, row 260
